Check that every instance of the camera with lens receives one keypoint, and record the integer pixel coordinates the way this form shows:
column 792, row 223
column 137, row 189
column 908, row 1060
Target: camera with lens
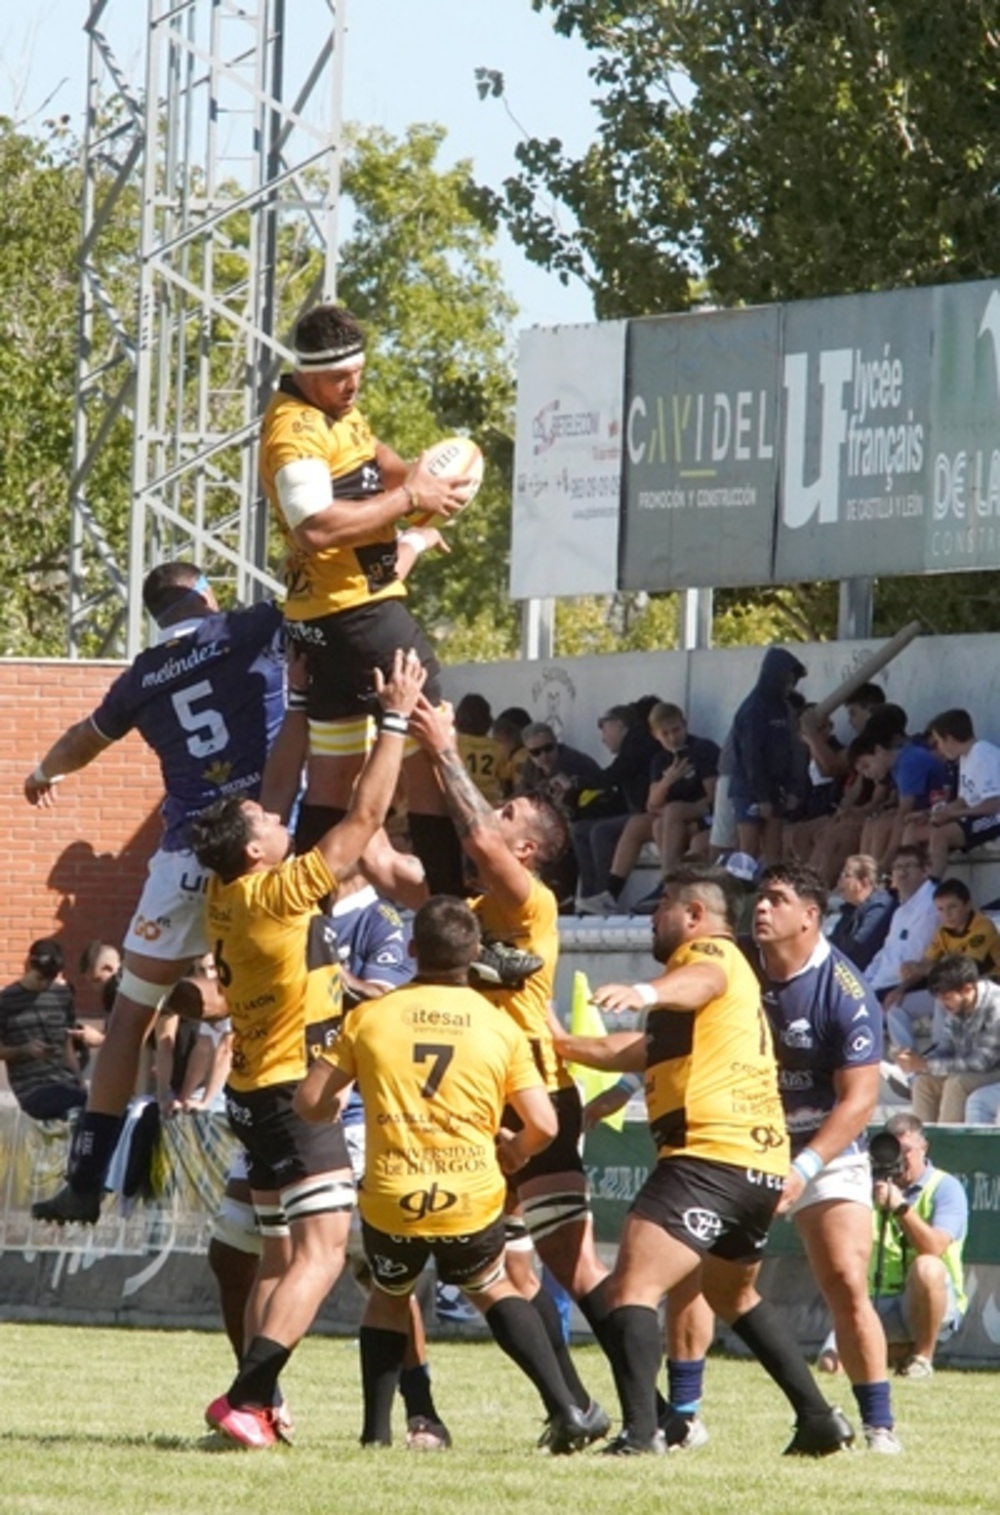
column 887, row 1160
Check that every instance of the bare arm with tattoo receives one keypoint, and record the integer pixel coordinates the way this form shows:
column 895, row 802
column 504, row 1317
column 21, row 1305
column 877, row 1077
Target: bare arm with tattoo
column 480, row 828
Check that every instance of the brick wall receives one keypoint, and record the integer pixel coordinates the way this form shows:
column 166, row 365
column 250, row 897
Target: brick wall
column 73, row 871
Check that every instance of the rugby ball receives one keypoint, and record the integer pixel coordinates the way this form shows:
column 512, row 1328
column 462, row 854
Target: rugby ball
column 452, row 458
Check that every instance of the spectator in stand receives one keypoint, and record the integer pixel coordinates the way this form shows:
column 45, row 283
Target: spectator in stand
column 961, row 929
column 481, row 753
column 561, row 774
column 866, row 914
column 973, row 818
column 507, row 730
column 101, row 966
column 919, row 777
column 602, row 818
column 966, row 1051
column 764, row 741
column 682, row 775
column 911, row 930
column 36, row 1019
column 819, row 790
column 840, row 835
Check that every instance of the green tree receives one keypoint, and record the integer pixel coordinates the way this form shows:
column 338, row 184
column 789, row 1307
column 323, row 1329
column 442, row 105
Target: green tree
column 758, row 150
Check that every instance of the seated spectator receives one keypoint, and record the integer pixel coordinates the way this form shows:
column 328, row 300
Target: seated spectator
column 506, row 730
column 911, row 928
column 961, row 929
column 481, row 753
column 36, row 1018
column 966, row 1052
column 818, row 792
column 840, row 834
column 602, row 813
column 202, row 1078
column 972, row 818
column 919, row 777
column 764, row 746
column 561, row 773
column 555, row 769
column 866, row 913
column 101, row 967
column 682, row 776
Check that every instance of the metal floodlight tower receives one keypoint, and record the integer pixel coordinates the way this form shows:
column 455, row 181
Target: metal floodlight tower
column 209, row 222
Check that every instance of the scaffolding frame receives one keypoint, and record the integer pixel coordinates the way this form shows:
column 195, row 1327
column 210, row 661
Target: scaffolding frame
column 227, row 163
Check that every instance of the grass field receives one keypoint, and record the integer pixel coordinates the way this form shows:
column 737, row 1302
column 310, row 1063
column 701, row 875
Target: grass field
column 103, row 1422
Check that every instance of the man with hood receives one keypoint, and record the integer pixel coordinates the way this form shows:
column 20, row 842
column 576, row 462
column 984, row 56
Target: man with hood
column 763, row 745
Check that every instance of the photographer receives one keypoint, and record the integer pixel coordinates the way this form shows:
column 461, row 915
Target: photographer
column 915, row 1276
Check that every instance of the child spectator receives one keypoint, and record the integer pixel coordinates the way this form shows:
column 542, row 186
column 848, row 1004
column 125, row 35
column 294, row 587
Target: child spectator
column 972, row 818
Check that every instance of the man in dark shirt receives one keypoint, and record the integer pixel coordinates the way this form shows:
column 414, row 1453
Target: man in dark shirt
column 36, row 1016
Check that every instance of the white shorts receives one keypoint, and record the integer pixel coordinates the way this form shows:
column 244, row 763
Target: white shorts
column 848, row 1176
column 723, row 833
column 169, row 922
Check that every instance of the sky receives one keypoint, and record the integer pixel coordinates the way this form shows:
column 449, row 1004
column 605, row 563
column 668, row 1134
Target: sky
column 405, row 61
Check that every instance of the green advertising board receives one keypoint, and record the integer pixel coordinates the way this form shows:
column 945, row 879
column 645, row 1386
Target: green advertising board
column 617, row 1164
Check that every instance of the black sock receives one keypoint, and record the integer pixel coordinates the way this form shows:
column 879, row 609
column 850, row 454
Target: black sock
column 594, row 1308
column 435, row 841
column 415, row 1387
column 313, row 822
column 518, row 1331
column 615, row 885
column 765, row 1334
column 546, row 1307
column 634, row 1351
column 382, row 1354
column 94, row 1142
column 260, row 1369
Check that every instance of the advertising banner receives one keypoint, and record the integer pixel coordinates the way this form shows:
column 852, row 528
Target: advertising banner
column 700, row 466
column 567, row 461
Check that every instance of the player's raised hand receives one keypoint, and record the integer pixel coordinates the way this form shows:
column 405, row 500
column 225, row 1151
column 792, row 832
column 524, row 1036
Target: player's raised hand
column 433, row 725
column 40, row 791
column 401, row 689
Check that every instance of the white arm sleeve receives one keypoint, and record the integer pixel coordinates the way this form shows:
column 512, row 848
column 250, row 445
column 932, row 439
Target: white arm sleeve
column 304, row 489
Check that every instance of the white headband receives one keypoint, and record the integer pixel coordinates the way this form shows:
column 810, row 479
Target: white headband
column 346, row 358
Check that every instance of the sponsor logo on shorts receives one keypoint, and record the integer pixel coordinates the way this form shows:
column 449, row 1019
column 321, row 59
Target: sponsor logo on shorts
column 150, row 931
column 704, row 1225
column 388, row 1267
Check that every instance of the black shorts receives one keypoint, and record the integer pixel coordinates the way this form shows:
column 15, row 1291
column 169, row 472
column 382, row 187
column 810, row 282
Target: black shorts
column 342, row 650
column 562, row 1155
column 282, row 1147
column 977, row 830
column 397, row 1262
column 712, row 1207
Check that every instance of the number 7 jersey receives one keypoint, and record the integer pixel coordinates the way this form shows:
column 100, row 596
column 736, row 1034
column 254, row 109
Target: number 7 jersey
column 435, row 1064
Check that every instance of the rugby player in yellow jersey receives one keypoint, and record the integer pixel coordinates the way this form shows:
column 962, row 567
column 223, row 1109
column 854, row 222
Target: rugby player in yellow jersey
column 260, row 908
column 507, row 847
column 337, row 493
column 436, row 1065
column 717, row 1121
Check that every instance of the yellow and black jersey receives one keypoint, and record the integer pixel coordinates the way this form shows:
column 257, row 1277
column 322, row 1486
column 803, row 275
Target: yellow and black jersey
column 434, row 1064
column 711, row 1076
column 336, row 578
column 534, row 927
column 980, row 941
column 484, row 763
column 258, row 927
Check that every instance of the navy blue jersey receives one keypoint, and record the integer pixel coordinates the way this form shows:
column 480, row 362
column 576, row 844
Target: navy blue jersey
column 823, row 1019
column 209, row 700
column 373, row 943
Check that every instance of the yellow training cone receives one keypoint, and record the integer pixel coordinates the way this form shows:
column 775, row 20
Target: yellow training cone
column 585, row 1020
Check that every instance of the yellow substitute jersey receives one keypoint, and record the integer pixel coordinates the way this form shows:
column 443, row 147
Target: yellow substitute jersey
column 434, row 1064
column 336, row 578
column 532, row 928
column 980, row 941
column 259, row 930
column 484, row 763
column 711, row 1076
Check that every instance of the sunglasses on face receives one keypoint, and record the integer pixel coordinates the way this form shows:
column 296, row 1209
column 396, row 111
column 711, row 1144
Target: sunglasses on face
column 540, row 751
